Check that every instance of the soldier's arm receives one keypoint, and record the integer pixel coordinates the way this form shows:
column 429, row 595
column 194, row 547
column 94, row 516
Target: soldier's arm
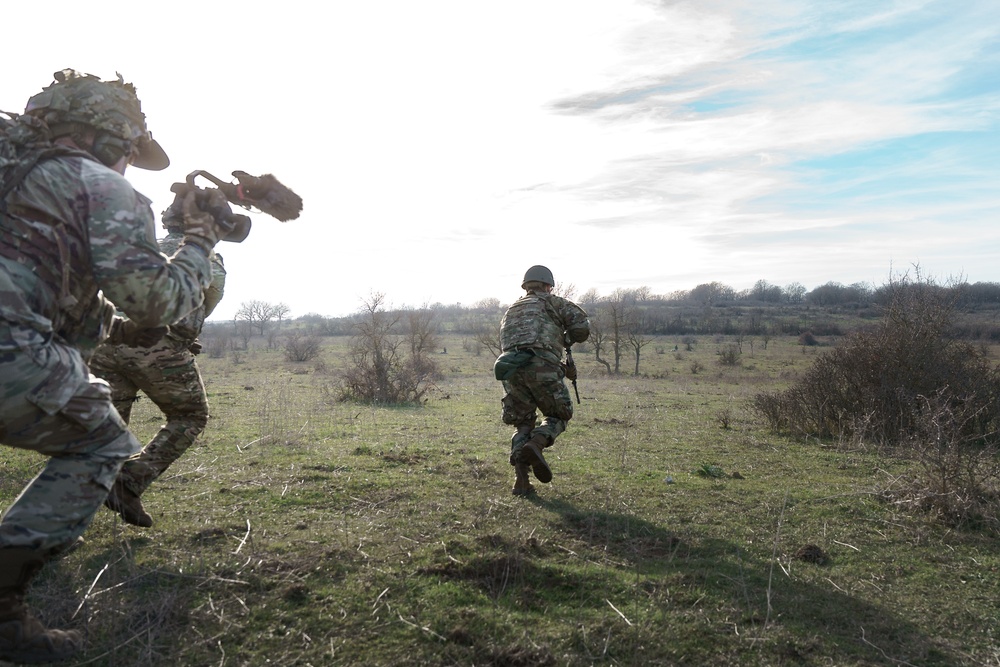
column 214, row 292
column 151, row 289
column 575, row 322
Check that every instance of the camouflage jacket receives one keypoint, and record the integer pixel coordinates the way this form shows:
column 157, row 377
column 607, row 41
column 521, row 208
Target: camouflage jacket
column 545, row 323
column 189, row 328
column 74, row 237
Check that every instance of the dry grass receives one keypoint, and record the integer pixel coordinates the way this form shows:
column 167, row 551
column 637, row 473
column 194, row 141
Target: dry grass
column 303, row 531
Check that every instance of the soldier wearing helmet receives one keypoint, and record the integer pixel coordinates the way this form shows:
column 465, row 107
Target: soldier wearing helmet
column 533, row 334
column 167, row 373
column 77, row 242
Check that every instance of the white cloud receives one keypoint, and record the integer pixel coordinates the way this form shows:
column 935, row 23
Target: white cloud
column 443, row 147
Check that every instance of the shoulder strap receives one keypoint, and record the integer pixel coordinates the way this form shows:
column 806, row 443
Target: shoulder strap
column 30, row 160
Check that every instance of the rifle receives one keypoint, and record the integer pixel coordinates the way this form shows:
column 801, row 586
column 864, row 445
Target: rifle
column 571, row 371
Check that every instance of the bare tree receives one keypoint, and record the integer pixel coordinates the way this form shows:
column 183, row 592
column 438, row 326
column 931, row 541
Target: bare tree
column 244, row 331
column 637, row 339
column 257, row 314
column 422, row 331
column 486, row 332
column 379, row 372
column 565, row 290
column 598, row 338
column 488, row 304
column 280, row 311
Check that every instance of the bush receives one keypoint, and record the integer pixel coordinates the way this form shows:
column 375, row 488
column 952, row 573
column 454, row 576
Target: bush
column 378, row 370
column 730, row 355
column 873, row 385
column 299, row 348
column 957, row 478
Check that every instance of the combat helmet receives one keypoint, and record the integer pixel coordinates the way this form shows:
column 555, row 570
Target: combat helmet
column 538, row 273
column 109, row 107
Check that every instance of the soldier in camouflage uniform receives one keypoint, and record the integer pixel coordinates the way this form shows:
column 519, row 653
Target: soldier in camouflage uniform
column 533, row 334
column 75, row 237
column 168, row 374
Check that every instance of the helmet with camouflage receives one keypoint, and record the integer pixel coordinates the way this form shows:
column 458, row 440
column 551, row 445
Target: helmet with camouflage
column 538, row 274
column 75, row 100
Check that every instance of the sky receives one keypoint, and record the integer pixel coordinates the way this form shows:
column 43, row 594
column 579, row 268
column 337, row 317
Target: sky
column 443, row 147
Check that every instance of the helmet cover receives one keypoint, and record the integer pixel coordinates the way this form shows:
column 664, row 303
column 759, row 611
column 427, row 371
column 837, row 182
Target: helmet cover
column 109, row 106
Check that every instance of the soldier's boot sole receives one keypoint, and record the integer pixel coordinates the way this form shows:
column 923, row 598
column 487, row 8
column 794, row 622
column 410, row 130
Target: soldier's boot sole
column 128, row 506
column 531, row 454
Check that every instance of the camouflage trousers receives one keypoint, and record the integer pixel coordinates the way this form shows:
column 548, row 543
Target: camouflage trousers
column 537, row 385
column 168, row 375
column 51, row 404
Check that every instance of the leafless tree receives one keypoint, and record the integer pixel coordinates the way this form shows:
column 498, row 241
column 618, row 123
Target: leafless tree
column 379, row 372
column 486, row 332
column 637, row 339
column 257, row 314
column 243, row 331
column 280, row 311
column 422, row 331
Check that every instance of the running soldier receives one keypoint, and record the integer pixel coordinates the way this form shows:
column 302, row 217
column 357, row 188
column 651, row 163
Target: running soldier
column 167, row 372
column 533, row 334
column 75, row 237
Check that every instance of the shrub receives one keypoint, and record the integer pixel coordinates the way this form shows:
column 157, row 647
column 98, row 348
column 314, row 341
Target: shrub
column 379, row 371
column 957, row 478
column 730, row 355
column 871, row 386
column 299, row 348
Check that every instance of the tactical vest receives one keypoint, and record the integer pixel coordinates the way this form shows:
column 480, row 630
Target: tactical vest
column 532, row 322
column 57, row 255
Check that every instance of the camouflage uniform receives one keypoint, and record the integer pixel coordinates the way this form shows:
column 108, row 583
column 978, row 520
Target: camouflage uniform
column 75, row 233
column 534, row 331
column 168, row 374
column 75, row 237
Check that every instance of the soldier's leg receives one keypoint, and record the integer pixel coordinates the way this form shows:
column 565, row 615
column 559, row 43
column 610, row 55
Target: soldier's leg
column 519, row 412
column 556, row 406
column 171, row 379
column 545, row 382
column 66, row 416
column 110, row 364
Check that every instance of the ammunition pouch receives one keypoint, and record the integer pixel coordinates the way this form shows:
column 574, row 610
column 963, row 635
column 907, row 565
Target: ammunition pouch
column 511, row 360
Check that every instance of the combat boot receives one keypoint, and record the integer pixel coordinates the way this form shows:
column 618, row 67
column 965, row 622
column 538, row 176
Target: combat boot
column 531, row 454
column 522, row 485
column 517, row 441
column 127, row 505
column 23, row 638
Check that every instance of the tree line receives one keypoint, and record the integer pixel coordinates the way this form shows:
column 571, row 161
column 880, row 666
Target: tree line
column 625, row 321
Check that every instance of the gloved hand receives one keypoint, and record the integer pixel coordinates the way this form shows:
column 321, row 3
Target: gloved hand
column 195, row 347
column 205, row 217
column 570, row 371
column 150, row 336
column 126, row 332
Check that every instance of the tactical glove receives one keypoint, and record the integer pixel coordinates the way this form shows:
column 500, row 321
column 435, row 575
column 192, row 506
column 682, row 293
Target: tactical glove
column 570, row 371
column 205, row 217
column 126, row 332
column 195, row 347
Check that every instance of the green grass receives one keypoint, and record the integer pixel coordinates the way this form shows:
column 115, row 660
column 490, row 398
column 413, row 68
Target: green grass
column 303, row 531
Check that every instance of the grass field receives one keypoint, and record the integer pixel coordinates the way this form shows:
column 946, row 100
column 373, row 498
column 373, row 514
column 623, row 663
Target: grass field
column 676, row 531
